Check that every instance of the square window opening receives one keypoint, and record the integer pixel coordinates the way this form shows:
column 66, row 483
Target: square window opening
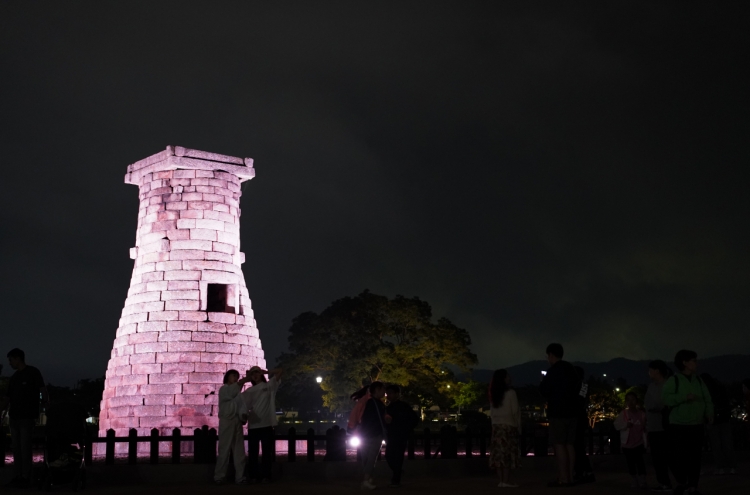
column 220, row 298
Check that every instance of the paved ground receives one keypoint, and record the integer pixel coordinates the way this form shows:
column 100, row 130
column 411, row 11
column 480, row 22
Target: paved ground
column 532, row 478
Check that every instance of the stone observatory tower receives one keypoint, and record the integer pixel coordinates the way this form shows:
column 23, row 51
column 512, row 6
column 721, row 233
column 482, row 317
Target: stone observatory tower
column 187, row 318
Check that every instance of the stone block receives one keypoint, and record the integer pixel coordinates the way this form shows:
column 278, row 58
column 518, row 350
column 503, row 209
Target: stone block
column 201, row 388
column 204, row 174
column 186, row 223
column 218, row 277
column 207, row 337
column 142, row 308
column 177, row 205
column 140, row 338
column 188, row 254
column 171, row 265
column 183, row 284
column 193, row 244
column 164, row 225
column 143, row 358
column 182, row 274
column 176, row 336
column 131, row 400
column 169, row 198
column 184, row 174
column 167, row 215
column 120, row 341
column 168, row 378
column 200, row 205
column 182, row 305
column 182, row 325
column 123, row 422
column 191, row 213
column 150, row 277
column 133, row 253
column 178, row 367
column 205, row 377
column 214, row 198
column 193, row 315
column 222, row 318
column 228, row 238
column 179, row 235
column 205, row 189
column 178, row 357
column 146, row 369
column 233, row 228
column 151, row 347
column 152, row 326
column 163, row 316
column 223, row 248
column 194, row 196
column 186, row 346
column 137, row 289
column 160, row 421
column 180, row 294
column 241, row 329
column 215, row 357
column 156, row 286
column 143, row 297
column 211, row 367
column 209, row 224
column 236, row 338
column 211, row 326
column 189, row 398
column 121, row 370
column 161, row 389
column 127, row 390
column 188, row 410
column 158, row 400
column 203, row 234
column 134, row 379
column 127, row 329
column 215, row 256
column 240, row 360
column 223, row 347
column 124, row 350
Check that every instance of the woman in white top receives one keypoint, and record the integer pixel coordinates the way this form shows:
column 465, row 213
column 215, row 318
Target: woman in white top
column 231, row 415
column 505, row 453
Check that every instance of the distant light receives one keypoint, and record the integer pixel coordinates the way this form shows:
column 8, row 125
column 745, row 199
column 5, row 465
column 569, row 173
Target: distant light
column 354, row 442
column 617, row 389
column 604, row 374
column 319, row 379
column 449, row 386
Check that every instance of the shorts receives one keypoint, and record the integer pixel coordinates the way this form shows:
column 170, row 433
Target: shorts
column 562, row 431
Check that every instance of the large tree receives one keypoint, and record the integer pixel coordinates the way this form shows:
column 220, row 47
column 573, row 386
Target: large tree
column 358, row 340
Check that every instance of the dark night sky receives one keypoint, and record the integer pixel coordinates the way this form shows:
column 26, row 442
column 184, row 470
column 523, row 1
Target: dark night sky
column 535, row 171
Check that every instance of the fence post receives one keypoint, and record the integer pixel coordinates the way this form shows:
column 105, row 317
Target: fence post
column 482, row 442
column 292, row 448
column 426, row 443
column 109, row 456
column 469, row 444
column 154, row 446
column 211, row 446
column 310, row 445
column 176, row 445
column 410, row 446
column 198, row 455
column 205, row 445
column 132, row 446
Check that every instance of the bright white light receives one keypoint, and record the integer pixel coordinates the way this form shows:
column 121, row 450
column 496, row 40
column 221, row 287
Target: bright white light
column 617, row 389
column 354, row 442
column 604, row 374
column 319, row 379
column 449, row 386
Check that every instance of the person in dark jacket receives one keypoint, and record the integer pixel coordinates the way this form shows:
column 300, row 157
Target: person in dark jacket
column 371, row 431
column 560, row 387
column 720, row 432
column 583, row 473
column 400, row 420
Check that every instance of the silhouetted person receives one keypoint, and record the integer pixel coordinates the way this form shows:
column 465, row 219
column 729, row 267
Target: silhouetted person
column 560, row 387
column 505, row 450
column 690, row 406
column 371, row 432
column 631, row 423
column 582, row 472
column 232, row 413
column 24, row 389
column 720, row 432
column 657, row 423
column 400, row 422
column 261, row 421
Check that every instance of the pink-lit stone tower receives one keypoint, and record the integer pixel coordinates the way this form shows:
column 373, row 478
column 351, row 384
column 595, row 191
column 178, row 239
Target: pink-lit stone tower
column 187, row 318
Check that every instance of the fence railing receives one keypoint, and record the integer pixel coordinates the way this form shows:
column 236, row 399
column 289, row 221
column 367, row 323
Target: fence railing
column 448, row 443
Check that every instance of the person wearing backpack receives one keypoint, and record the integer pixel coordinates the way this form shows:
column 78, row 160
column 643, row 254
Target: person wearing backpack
column 656, row 421
column 691, row 407
column 400, row 421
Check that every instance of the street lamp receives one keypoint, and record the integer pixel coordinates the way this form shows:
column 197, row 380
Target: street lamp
column 319, row 379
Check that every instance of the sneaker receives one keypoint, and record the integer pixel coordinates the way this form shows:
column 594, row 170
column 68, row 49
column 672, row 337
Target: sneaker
column 367, row 485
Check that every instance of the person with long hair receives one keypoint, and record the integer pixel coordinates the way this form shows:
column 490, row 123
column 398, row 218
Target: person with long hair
column 631, row 423
column 657, row 422
column 261, row 402
column 505, row 452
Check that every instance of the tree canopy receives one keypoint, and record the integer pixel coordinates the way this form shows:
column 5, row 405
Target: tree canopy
column 358, row 340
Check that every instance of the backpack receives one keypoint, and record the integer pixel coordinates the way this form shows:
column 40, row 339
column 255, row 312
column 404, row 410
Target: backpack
column 668, row 410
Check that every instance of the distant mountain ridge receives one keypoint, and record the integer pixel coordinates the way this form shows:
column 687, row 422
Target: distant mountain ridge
column 727, row 369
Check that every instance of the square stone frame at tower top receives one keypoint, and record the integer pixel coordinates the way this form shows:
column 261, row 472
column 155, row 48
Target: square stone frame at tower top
column 188, row 317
